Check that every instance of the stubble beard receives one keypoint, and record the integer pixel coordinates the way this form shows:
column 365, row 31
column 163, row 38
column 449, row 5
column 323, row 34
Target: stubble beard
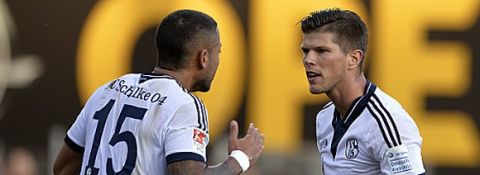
column 202, row 86
column 317, row 90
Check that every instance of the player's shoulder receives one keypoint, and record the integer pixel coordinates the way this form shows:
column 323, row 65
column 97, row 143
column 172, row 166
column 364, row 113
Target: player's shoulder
column 169, row 86
column 195, row 101
column 327, row 105
column 385, row 102
column 112, row 84
column 127, row 78
column 326, row 111
column 150, row 87
column 390, row 123
column 389, row 114
column 183, row 96
column 120, row 81
column 191, row 110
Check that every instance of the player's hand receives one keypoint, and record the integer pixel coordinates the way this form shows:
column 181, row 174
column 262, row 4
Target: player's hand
column 251, row 144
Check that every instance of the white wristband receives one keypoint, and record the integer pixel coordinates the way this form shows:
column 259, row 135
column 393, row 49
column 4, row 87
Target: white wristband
column 241, row 158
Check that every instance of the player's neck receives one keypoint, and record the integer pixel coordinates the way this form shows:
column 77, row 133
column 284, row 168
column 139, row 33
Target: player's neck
column 346, row 92
column 183, row 77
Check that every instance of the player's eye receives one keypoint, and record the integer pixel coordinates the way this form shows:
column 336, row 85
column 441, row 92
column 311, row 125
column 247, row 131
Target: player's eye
column 321, row 50
column 305, row 51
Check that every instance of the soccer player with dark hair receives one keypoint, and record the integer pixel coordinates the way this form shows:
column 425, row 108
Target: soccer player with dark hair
column 151, row 123
column 362, row 130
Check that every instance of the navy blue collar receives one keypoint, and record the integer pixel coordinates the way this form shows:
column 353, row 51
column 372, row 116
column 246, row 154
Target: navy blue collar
column 358, row 105
column 340, row 126
column 150, row 75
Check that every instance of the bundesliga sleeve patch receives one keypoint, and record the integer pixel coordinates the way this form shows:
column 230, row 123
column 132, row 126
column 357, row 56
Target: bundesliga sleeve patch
column 200, row 140
column 399, row 160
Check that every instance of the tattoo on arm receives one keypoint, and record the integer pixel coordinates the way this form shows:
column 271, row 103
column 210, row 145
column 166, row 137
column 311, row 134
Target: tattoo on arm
column 189, row 167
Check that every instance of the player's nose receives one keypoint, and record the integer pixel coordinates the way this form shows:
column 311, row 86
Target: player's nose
column 308, row 60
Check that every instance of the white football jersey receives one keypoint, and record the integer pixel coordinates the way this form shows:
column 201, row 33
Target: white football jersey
column 138, row 124
column 377, row 137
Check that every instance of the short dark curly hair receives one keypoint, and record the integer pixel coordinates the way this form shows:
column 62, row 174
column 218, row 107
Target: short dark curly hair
column 176, row 32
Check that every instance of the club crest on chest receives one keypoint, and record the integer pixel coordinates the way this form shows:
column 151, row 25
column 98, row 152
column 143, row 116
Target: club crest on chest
column 351, row 148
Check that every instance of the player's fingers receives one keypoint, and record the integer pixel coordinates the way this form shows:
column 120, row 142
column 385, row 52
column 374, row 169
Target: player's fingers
column 260, row 149
column 260, row 146
column 251, row 129
column 257, row 134
column 262, row 138
column 258, row 152
column 233, row 130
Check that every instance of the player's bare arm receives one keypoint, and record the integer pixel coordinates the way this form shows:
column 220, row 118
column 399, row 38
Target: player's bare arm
column 251, row 145
column 189, row 167
column 68, row 162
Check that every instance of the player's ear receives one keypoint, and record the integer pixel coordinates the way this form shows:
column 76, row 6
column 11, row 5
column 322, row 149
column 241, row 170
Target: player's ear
column 202, row 58
column 355, row 58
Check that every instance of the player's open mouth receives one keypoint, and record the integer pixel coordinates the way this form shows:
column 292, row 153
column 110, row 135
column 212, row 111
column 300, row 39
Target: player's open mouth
column 312, row 75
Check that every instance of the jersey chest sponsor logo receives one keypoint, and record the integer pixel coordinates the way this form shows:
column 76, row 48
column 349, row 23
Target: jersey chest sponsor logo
column 351, row 148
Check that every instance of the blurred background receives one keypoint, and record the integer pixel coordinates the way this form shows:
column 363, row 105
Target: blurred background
column 424, row 53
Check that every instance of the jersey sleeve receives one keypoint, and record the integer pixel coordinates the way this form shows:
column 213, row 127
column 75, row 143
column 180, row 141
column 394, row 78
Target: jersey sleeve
column 186, row 137
column 76, row 135
column 398, row 149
